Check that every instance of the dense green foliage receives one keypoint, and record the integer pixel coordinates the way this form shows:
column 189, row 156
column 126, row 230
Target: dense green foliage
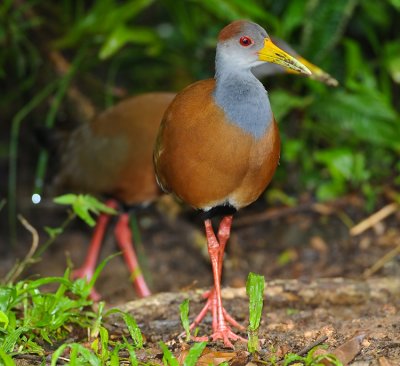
column 335, row 140
column 62, row 323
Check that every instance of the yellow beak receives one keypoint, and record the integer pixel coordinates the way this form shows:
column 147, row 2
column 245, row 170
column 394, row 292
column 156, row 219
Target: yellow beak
column 272, row 53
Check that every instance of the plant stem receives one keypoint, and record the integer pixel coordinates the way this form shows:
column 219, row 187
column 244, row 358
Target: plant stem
column 12, row 178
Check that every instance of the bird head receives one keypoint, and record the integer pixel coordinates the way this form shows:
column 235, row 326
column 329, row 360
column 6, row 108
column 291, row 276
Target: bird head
column 243, row 44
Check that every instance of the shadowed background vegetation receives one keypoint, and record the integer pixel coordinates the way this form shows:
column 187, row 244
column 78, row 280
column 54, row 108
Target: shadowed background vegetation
column 61, row 61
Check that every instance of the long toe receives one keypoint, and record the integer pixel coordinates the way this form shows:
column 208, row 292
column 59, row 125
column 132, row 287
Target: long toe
column 226, row 335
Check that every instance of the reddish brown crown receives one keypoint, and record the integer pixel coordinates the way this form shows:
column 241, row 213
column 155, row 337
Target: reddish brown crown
column 231, row 30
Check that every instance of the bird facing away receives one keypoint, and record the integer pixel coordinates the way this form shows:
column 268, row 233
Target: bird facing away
column 112, row 155
column 218, row 145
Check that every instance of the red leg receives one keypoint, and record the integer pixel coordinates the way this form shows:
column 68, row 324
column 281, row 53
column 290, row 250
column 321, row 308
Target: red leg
column 221, row 318
column 88, row 267
column 124, row 240
column 223, row 236
column 224, row 233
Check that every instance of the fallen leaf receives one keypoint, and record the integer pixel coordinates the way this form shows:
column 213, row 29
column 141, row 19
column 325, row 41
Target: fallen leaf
column 347, row 351
column 383, row 361
column 208, row 357
column 344, row 353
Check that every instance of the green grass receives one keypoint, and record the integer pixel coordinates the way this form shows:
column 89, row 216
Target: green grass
column 310, row 359
column 255, row 292
column 34, row 321
column 63, row 324
column 184, row 314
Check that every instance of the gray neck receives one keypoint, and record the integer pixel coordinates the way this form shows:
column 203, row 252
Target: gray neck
column 244, row 100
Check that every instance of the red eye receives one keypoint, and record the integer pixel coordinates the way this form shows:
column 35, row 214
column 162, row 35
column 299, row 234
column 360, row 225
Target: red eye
column 245, row 41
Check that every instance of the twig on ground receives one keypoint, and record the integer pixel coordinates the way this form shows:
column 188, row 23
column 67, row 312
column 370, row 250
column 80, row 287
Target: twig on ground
column 374, row 219
column 381, row 262
column 17, row 269
column 312, row 345
column 274, row 213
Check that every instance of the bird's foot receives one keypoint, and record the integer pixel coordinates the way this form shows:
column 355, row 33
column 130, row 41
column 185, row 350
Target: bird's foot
column 86, row 274
column 211, row 305
column 227, row 335
column 221, row 329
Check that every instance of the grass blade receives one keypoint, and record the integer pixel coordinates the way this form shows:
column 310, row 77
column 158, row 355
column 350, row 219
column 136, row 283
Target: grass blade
column 13, row 155
column 168, row 358
column 184, row 313
column 7, row 360
column 134, row 330
column 194, row 353
column 255, row 291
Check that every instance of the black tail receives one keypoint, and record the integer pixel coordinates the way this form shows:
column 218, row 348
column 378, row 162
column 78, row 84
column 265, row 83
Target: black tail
column 222, row 210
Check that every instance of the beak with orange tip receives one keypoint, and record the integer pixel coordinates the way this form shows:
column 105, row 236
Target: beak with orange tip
column 272, row 53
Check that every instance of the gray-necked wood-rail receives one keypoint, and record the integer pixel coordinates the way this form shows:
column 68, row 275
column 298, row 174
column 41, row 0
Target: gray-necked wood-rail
column 218, row 145
column 112, row 156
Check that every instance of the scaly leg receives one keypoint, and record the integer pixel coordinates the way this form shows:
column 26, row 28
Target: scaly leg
column 221, row 318
column 88, row 267
column 124, row 240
